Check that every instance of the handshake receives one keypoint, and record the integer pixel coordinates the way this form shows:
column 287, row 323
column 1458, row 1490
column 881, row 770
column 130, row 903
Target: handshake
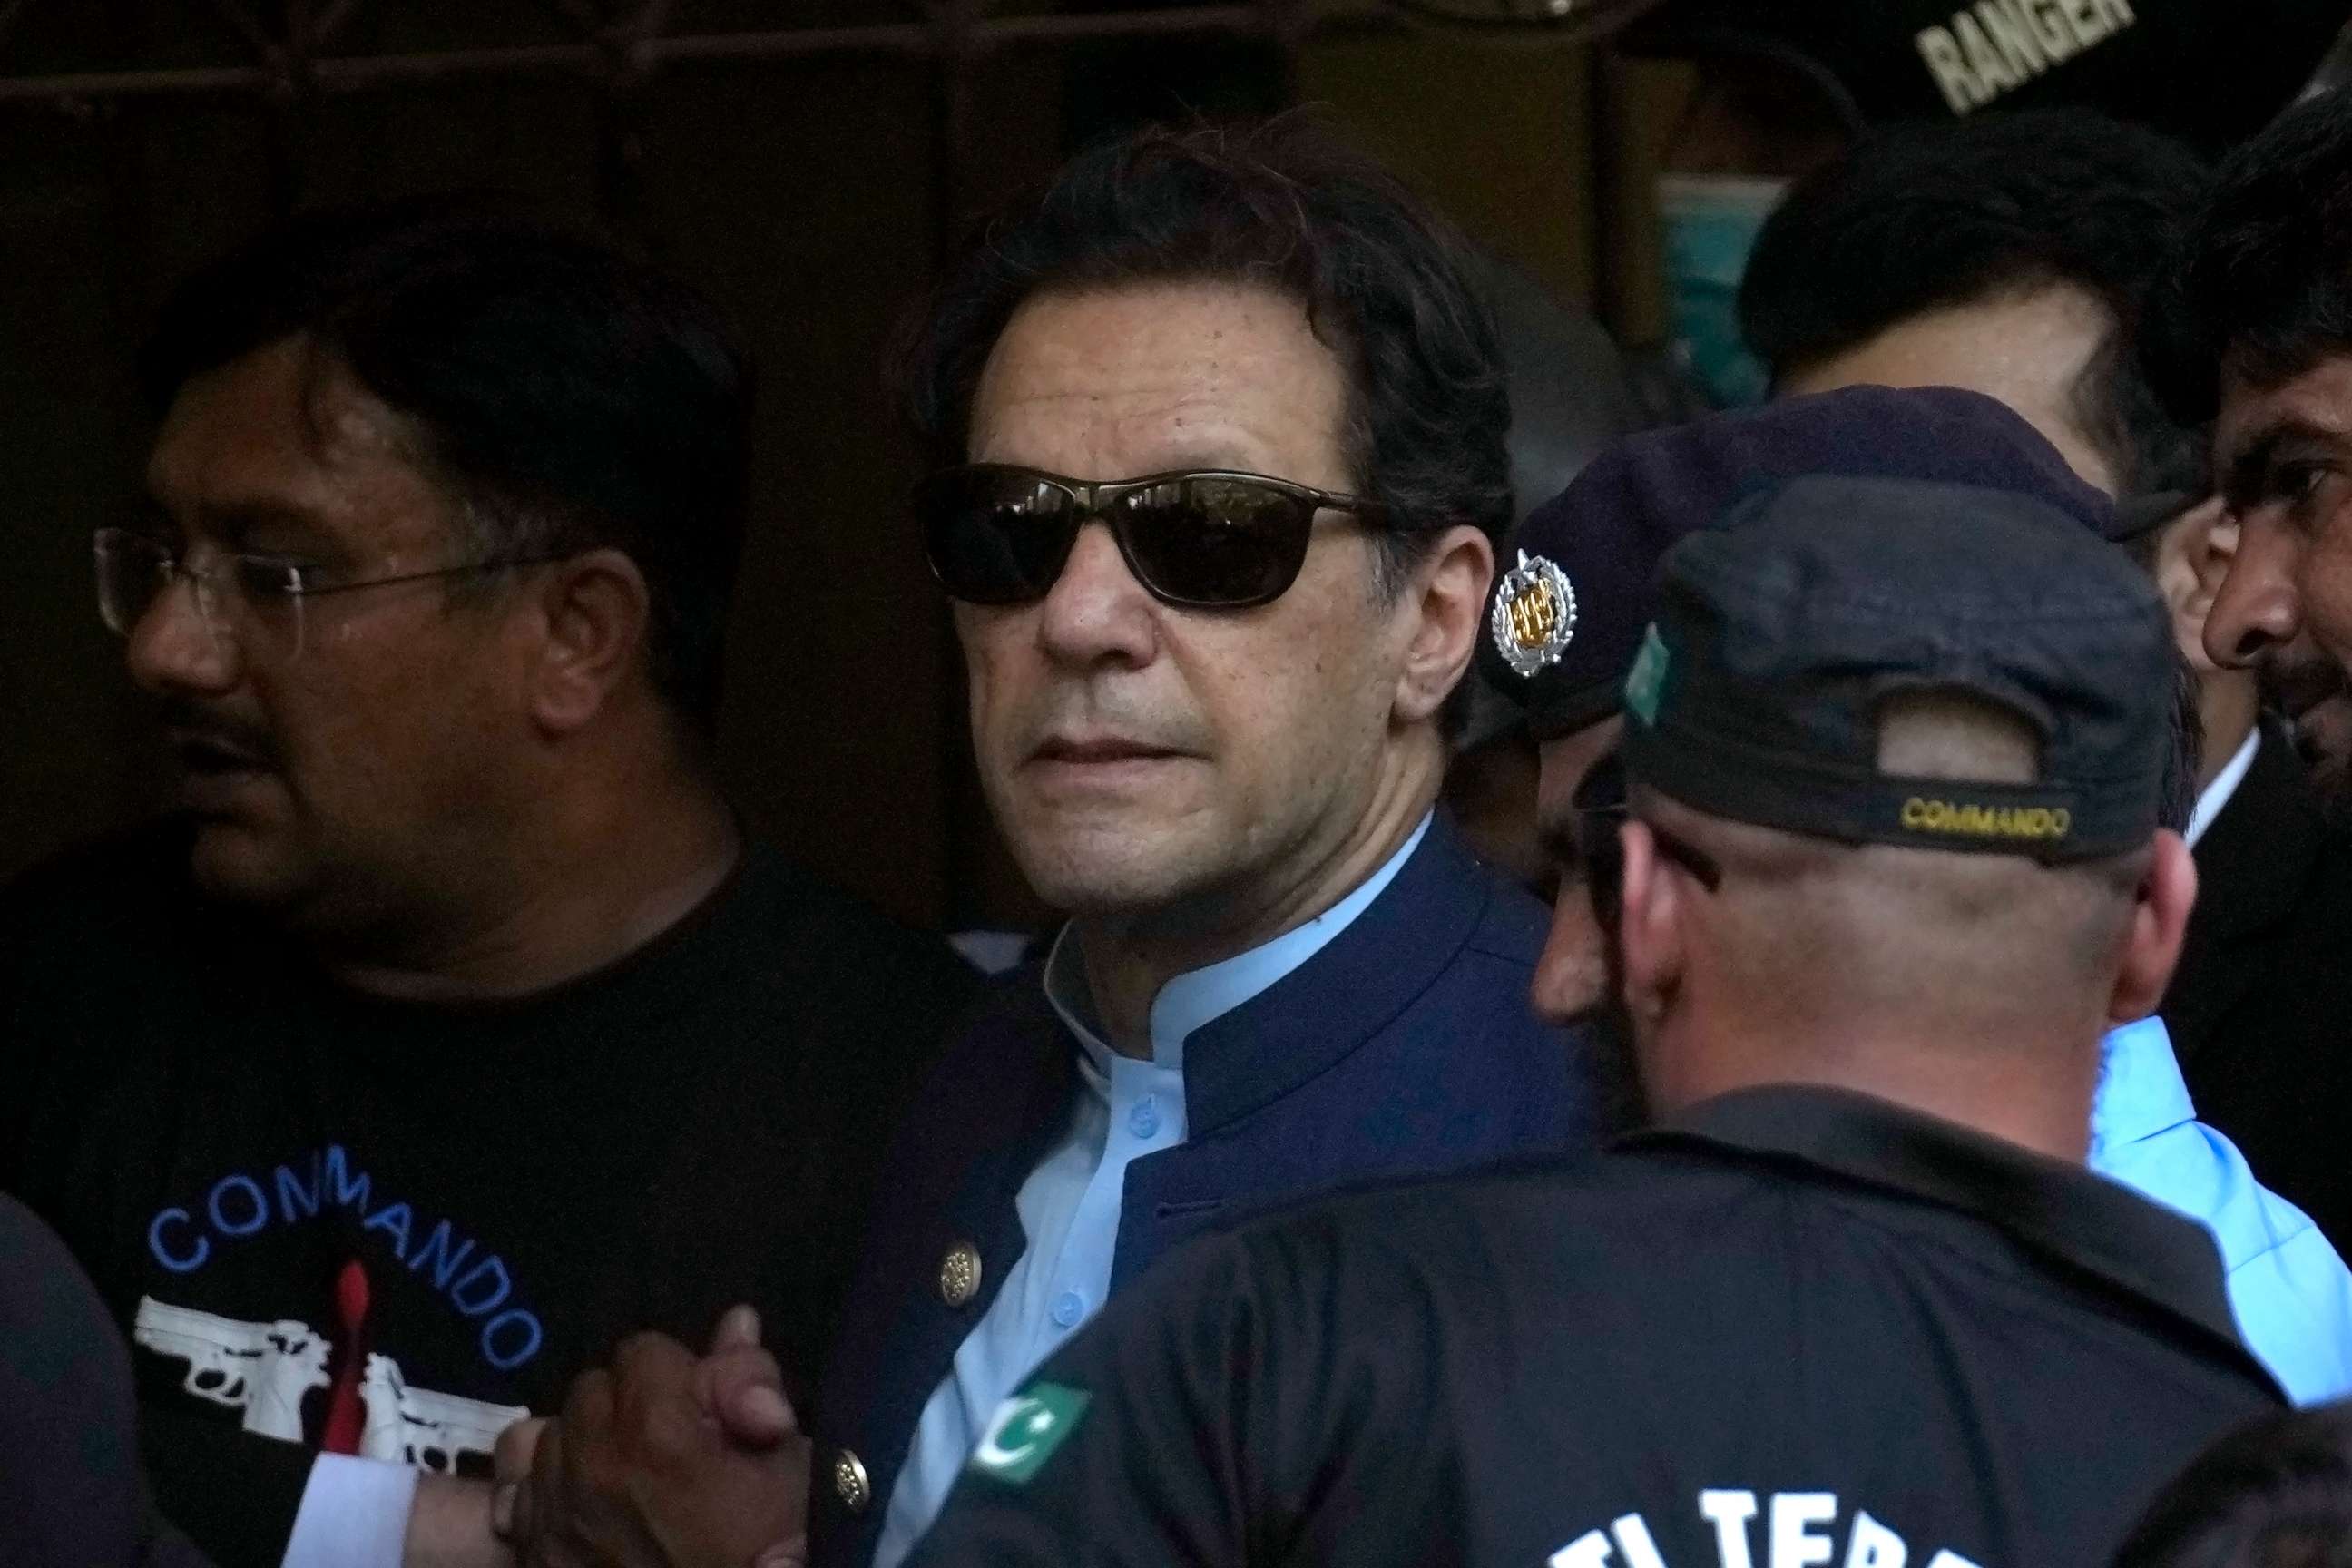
column 663, row 1459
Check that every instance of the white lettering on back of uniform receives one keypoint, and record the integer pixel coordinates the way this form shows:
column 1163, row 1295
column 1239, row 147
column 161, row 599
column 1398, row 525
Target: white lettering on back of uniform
column 1729, row 1512
column 1590, row 1550
column 1632, row 1533
column 1793, row 1515
column 1873, row 1545
column 1800, row 1529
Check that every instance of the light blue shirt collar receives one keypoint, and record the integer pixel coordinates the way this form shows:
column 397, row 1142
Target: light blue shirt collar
column 2141, row 1092
column 1201, row 995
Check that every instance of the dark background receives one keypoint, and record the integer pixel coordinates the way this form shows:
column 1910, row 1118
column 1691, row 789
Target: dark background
column 805, row 162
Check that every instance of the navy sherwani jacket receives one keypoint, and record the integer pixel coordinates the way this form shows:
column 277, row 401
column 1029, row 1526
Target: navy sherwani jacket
column 1405, row 1045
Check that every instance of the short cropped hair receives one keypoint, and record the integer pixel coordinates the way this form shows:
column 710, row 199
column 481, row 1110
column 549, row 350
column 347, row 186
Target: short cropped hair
column 1915, row 218
column 1385, row 283
column 2265, row 279
column 566, row 397
column 2273, row 1494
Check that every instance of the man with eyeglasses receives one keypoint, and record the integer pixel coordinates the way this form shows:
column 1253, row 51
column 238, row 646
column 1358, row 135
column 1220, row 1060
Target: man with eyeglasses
column 1226, row 428
column 1880, row 861
column 449, row 1029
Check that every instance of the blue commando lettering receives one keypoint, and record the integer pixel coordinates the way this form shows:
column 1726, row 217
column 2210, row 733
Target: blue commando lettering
column 237, row 1206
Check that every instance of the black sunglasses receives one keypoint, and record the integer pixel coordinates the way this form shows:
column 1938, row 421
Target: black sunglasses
column 1600, row 811
column 998, row 534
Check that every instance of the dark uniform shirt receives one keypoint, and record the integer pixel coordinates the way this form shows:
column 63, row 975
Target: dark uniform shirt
column 1794, row 1327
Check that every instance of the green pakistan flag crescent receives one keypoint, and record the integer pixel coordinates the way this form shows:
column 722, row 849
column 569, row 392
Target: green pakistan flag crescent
column 1026, row 1429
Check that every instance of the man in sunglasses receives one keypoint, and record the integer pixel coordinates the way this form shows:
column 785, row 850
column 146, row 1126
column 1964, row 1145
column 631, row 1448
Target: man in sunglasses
column 1227, row 428
column 1883, row 862
column 448, row 1028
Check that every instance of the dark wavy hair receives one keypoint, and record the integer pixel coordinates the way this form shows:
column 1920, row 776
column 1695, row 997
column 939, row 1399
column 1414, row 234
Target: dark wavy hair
column 2275, row 1494
column 2265, row 275
column 1385, row 283
column 568, row 397
column 1917, row 217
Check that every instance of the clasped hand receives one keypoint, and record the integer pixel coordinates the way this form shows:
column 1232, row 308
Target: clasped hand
column 663, row 1460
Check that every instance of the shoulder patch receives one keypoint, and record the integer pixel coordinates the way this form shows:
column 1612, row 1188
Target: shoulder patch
column 1026, row 1429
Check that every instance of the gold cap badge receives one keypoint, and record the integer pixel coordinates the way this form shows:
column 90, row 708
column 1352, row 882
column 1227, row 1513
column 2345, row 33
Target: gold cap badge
column 1534, row 616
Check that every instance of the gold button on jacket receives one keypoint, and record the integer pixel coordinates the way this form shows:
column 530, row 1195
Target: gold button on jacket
column 960, row 1274
column 849, row 1482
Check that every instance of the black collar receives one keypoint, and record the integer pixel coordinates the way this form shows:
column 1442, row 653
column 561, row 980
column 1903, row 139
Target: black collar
column 2066, row 1211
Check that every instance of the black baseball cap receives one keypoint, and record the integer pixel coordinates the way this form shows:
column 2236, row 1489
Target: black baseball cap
column 1780, row 634
column 2210, row 71
column 1579, row 583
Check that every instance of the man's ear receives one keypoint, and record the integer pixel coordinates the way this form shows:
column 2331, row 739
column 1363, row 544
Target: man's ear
column 595, row 610
column 2160, row 920
column 2190, row 564
column 2215, row 546
column 1650, row 925
column 2195, row 556
column 1446, row 601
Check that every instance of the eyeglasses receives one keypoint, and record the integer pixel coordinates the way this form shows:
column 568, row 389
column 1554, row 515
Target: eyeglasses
column 1600, row 812
column 237, row 592
column 998, row 534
